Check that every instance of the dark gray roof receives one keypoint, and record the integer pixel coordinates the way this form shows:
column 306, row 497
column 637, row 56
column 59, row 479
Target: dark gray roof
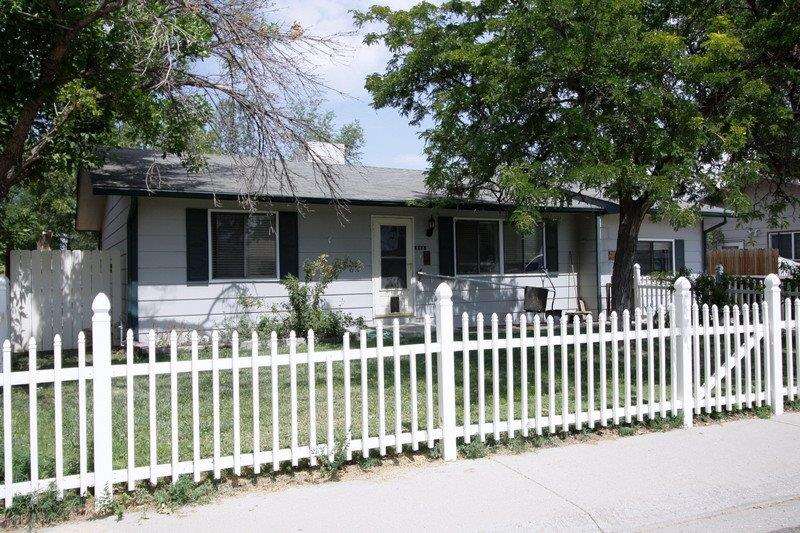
column 144, row 172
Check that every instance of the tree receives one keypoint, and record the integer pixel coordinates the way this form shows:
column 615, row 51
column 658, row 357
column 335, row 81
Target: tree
column 80, row 74
column 534, row 100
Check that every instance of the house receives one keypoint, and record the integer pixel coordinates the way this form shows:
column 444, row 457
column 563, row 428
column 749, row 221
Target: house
column 191, row 249
column 760, row 233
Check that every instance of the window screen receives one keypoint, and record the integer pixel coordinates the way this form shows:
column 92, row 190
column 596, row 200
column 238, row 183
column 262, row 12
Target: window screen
column 522, row 253
column 783, row 243
column 477, row 247
column 654, row 256
column 243, row 245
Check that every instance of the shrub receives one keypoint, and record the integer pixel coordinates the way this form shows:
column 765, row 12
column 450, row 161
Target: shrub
column 306, row 309
column 474, row 450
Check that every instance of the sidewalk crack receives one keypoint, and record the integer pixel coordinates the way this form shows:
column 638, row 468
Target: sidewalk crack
column 550, row 490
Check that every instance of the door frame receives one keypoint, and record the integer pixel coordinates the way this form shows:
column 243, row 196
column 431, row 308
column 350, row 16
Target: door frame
column 375, row 222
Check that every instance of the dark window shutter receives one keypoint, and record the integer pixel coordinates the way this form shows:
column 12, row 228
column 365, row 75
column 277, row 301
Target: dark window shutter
column 446, row 265
column 287, row 241
column 197, row 245
column 680, row 257
column 551, row 244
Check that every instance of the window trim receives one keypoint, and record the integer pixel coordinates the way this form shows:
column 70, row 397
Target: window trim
column 211, row 277
column 779, row 232
column 501, row 250
column 672, row 245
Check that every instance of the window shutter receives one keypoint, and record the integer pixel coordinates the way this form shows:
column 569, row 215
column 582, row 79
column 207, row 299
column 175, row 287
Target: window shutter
column 551, row 244
column 446, row 265
column 680, row 258
column 197, row 245
column 287, row 242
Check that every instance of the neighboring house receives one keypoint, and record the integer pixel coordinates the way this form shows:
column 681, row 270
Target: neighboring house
column 784, row 237
column 191, row 249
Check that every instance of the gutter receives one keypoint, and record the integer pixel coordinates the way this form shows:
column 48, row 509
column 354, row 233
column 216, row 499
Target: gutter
column 124, row 191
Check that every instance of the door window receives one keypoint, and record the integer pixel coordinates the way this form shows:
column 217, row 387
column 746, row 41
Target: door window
column 394, row 274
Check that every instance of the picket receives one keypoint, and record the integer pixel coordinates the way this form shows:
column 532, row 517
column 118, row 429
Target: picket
column 724, row 370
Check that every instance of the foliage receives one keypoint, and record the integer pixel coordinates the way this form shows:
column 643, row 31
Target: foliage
column 305, row 309
column 332, row 461
column 41, row 508
column 320, row 126
column 653, row 104
column 711, row 289
column 474, row 450
column 81, row 75
column 182, row 492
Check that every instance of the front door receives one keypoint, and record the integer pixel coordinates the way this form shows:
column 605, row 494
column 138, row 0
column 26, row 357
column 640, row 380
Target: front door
column 392, row 265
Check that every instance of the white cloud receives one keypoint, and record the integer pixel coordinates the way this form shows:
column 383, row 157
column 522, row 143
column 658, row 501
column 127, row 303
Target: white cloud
column 347, row 72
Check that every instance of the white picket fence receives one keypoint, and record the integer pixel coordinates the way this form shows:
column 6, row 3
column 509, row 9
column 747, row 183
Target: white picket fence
column 51, row 293
column 676, row 361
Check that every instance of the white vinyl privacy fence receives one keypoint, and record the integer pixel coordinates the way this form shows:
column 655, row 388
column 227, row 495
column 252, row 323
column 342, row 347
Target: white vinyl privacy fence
column 249, row 404
column 51, row 293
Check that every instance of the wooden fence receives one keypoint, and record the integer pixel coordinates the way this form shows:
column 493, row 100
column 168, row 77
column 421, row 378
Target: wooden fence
column 744, row 262
column 363, row 398
column 51, row 292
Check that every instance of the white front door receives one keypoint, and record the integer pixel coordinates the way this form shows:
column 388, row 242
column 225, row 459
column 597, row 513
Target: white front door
column 392, row 265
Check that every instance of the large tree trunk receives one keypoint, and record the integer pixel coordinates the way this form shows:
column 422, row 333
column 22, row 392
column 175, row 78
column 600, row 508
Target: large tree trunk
column 631, row 215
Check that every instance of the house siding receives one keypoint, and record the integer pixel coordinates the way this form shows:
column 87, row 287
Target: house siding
column 755, row 233
column 114, row 237
column 692, row 238
column 166, row 300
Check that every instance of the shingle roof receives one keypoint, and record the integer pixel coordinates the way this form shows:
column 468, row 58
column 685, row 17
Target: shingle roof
column 144, row 172
column 131, row 171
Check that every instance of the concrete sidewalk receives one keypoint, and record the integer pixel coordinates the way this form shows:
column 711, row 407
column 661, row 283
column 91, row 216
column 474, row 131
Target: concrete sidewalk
column 741, row 474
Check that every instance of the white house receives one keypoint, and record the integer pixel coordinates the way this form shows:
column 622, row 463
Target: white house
column 191, row 249
column 760, row 233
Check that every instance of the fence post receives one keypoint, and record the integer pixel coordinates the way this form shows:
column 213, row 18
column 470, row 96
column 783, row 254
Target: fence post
column 446, row 369
column 4, row 320
column 772, row 295
column 683, row 351
column 101, row 392
column 637, row 290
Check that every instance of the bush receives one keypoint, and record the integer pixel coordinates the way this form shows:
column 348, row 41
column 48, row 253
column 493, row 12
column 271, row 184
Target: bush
column 306, row 309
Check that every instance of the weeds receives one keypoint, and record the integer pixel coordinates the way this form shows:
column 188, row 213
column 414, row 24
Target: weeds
column 765, row 411
column 41, row 508
column 474, row 450
column 436, row 452
column 627, row 431
column 368, row 463
column 331, row 462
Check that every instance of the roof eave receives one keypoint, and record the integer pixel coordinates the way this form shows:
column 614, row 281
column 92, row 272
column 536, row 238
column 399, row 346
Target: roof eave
column 485, row 206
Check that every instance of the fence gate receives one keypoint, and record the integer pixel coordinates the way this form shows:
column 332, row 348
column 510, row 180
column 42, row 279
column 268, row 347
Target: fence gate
column 52, row 291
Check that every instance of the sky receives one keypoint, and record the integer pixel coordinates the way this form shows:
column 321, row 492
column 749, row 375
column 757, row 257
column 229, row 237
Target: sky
column 390, row 140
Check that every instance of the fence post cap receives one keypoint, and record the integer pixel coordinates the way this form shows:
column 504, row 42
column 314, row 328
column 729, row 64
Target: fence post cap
column 683, row 284
column 771, row 281
column 3, row 280
column 444, row 291
column 101, row 303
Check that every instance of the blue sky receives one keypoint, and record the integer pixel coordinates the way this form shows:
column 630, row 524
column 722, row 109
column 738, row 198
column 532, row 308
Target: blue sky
column 390, row 141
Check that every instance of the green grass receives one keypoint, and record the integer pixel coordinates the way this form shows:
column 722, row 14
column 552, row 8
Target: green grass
column 45, row 404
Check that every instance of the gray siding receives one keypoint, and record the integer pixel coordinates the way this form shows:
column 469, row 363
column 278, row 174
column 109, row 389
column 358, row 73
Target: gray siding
column 167, row 301
column 114, row 236
column 755, row 233
column 692, row 237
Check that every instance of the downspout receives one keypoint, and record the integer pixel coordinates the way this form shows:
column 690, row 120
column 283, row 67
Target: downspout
column 598, row 226
column 704, row 239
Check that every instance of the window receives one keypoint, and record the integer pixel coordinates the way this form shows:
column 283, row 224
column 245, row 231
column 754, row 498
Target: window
column 394, row 273
column 787, row 244
column 243, row 245
column 522, row 253
column 477, row 247
column 654, row 256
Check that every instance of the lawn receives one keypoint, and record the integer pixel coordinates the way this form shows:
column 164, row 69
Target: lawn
column 45, row 404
